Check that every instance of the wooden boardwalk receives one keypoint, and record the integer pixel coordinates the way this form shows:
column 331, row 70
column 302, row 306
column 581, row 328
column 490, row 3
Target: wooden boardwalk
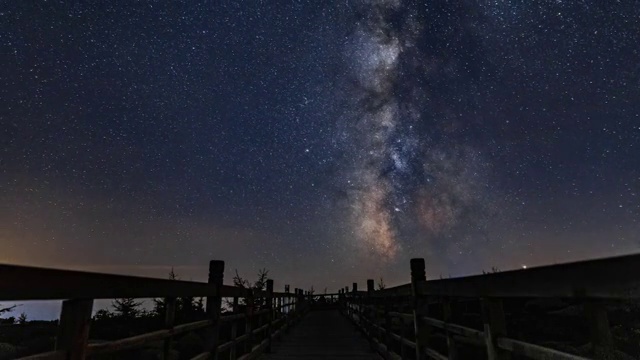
column 485, row 315
column 322, row 334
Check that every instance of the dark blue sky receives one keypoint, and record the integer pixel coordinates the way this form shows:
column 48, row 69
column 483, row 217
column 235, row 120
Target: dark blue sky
column 327, row 142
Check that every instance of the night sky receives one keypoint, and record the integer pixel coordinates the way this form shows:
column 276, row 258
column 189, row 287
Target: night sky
column 328, row 142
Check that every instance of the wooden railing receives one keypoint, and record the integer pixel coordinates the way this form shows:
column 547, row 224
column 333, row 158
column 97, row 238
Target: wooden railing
column 421, row 319
column 262, row 324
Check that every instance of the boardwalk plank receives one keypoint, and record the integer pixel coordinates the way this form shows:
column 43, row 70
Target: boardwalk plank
column 324, row 334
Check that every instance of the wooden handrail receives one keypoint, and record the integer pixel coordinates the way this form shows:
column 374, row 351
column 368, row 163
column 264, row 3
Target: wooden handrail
column 78, row 289
column 583, row 279
column 590, row 282
column 33, row 283
column 587, row 281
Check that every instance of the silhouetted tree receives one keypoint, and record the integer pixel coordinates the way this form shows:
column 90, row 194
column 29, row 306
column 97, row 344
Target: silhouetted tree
column 259, row 285
column 22, row 319
column 126, row 308
column 159, row 304
column 188, row 308
column 103, row 314
column 381, row 285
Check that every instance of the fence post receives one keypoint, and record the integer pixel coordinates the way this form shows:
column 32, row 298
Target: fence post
column 214, row 305
column 348, row 301
column 388, row 322
column 169, row 321
column 233, row 352
column 301, row 301
column 270, row 314
column 356, row 300
column 421, row 328
column 248, row 327
column 73, row 329
column 286, row 301
column 403, row 335
column 287, row 309
column 372, row 310
column 495, row 326
column 452, row 352
column 599, row 328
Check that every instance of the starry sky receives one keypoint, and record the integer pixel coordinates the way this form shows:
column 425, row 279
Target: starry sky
column 329, row 142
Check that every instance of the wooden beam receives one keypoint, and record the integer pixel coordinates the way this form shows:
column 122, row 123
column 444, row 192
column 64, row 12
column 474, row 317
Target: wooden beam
column 448, row 315
column 599, row 327
column 495, row 326
column 420, row 308
column 214, row 307
column 17, row 283
column 584, row 279
column 269, row 305
column 169, row 322
column 536, row 352
column 73, row 330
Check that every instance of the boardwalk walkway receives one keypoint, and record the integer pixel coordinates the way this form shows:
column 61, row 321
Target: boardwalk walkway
column 322, row 334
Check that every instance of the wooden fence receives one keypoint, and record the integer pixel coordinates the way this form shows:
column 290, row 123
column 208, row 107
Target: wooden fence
column 422, row 319
column 407, row 321
column 79, row 289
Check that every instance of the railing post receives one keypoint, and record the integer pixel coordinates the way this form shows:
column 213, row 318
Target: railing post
column 356, row 303
column 452, row 352
column 296, row 300
column 286, row 300
column 287, row 309
column 403, row 335
column 387, row 323
column 169, row 321
column 73, row 330
column 371, row 310
column 269, row 301
column 248, row 344
column 214, row 306
column 233, row 352
column 420, row 310
column 495, row 326
column 234, row 335
column 599, row 328
column 301, row 301
column 347, row 301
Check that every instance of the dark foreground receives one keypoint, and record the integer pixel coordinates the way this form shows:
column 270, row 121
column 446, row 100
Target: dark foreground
column 323, row 334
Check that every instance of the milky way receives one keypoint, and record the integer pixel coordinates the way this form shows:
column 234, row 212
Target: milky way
column 399, row 175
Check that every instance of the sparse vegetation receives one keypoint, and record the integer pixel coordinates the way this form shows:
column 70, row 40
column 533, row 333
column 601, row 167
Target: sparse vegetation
column 22, row 319
column 126, row 308
column 259, row 285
